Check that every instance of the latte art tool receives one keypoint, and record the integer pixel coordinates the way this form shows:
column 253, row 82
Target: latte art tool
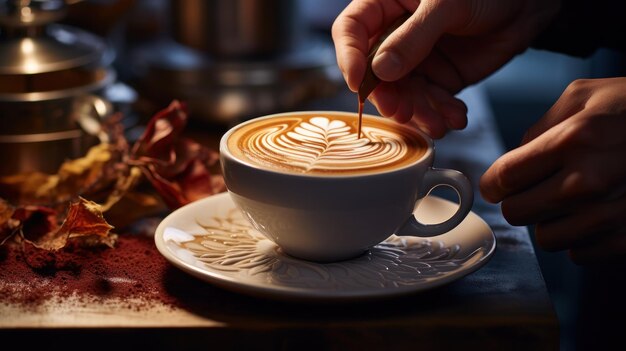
column 370, row 80
column 369, row 83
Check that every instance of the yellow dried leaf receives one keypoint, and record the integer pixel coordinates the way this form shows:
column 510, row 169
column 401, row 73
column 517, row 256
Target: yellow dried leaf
column 73, row 178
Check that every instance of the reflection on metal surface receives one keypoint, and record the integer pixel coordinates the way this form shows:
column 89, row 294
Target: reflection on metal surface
column 232, row 60
column 226, row 92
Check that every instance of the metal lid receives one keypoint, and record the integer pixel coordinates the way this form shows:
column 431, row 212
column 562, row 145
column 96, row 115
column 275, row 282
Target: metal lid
column 62, row 47
column 31, row 44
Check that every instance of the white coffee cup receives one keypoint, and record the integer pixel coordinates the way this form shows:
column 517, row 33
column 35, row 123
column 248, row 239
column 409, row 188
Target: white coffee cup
column 332, row 217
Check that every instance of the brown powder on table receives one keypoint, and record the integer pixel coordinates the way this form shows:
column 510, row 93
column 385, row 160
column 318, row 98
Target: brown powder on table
column 132, row 271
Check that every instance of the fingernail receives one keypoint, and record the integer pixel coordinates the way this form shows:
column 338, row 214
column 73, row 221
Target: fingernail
column 345, row 77
column 487, row 190
column 387, row 66
column 372, row 98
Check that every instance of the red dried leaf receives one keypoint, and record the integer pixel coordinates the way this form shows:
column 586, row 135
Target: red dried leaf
column 195, row 181
column 84, row 218
column 177, row 167
column 161, row 133
column 39, row 225
column 169, row 191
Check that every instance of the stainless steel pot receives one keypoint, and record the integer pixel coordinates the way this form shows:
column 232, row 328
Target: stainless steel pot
column 236, row 29
column 49, row 132
column 53, row 80
column 230, row 60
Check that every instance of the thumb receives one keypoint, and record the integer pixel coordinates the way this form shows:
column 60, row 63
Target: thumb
column 413, row 41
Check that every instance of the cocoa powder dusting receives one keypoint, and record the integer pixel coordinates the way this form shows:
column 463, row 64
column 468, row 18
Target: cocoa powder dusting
column 133, row 271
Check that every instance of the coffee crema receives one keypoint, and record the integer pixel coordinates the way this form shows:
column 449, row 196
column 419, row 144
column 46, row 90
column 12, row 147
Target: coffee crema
column 325, row 144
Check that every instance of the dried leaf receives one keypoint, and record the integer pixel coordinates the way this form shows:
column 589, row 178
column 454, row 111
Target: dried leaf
column 39, row 225
column 169, row 191
column 161, row 133
column 76, row 177
column 79, row 176
column 195, row 180
column 21, row 189
column 177, row 167
column 85, row 218
column 122, row 187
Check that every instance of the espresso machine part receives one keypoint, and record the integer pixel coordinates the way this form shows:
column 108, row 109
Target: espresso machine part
column 235, row 59
column 53, row 79
column 236, row 29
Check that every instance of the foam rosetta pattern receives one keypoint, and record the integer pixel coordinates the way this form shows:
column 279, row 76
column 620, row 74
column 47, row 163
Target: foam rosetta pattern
column 319, row 144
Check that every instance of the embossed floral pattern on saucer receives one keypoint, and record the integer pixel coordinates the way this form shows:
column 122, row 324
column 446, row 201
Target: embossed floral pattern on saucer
column 210, row 239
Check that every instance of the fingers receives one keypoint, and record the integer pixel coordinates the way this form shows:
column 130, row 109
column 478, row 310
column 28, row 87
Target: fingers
column 411, row 43
column 568, row 176
column 440, row 70
column 521, row 168
column 585, row 147
column 590, row 178
column 352, row 31
column 350, row 48
column 452, row 109
column 404, row 100
column 430, row 107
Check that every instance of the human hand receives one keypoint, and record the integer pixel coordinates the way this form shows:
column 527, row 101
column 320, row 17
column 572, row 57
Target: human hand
column 569, row 175
column 444, row 46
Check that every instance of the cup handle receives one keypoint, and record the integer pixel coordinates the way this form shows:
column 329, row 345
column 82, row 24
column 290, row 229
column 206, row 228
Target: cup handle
column 441, row 177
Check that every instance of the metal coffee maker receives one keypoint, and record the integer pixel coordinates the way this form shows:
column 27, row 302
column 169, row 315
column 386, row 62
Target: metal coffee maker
column 52, row 81
column 231, row 60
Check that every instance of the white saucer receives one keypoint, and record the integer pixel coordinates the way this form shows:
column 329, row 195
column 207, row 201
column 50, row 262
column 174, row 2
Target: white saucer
column 211, row 240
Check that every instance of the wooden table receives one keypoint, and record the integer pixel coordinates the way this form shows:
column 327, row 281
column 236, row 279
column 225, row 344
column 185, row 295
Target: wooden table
column 503, row 306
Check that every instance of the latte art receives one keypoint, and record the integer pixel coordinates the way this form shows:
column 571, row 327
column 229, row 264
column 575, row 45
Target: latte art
column 325, row 144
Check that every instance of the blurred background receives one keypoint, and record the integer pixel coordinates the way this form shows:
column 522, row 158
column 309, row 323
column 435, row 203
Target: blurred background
column 229, row 61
